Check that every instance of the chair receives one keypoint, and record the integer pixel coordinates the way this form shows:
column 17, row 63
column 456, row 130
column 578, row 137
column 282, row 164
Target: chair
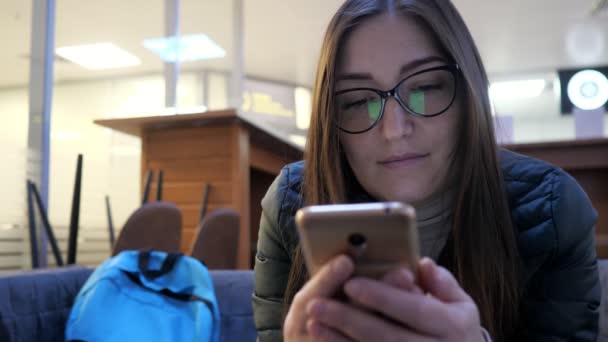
column 154, row 226
column 216, row 241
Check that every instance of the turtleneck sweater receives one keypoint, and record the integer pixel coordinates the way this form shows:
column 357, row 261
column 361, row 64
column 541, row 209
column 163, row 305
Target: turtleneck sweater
column 434, row 222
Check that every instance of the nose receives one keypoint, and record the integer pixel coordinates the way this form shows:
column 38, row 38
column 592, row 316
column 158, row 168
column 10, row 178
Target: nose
column 396, row 122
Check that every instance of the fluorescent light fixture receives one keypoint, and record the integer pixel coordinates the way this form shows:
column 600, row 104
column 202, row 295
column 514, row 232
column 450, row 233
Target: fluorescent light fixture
column 98, row 56
column 185, row 48
column 517, row 89
column 588, row 89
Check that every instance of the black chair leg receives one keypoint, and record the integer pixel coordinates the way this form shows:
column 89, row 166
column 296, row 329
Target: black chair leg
column 32, row 227
column 47, row 227
column 147, row 187
column 110, row 222
column 75, row 215
column 204, row 202
column 159, row 186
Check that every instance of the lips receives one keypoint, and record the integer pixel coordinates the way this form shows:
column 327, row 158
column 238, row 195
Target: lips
column 403, row 159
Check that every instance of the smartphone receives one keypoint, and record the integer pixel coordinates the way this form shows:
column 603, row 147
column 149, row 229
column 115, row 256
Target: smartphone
column 377, row 236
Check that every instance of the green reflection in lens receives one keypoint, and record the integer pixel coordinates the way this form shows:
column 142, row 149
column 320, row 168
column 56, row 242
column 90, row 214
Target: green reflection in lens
column 416, row 102
column 373, row 110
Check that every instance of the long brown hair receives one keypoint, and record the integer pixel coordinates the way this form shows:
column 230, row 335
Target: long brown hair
column 482, row 249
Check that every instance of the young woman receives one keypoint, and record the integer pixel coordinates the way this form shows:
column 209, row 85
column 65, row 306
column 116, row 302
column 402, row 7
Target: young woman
column 401, row 112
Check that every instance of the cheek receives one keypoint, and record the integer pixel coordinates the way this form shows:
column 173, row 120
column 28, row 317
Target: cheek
column 441, row 132
column 350, row 151
column 451, row 132
column 358, row 151
column 454, row 117
column 443, row 141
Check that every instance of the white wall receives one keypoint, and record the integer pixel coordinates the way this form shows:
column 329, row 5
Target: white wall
column 13, row 151
column 218, row 91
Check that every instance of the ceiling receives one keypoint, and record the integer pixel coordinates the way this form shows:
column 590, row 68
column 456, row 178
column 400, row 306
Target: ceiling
column 282, row 37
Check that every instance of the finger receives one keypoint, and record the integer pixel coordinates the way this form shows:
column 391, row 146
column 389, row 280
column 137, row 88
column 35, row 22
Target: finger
column 411, row 309
column 402, row 278
column 322, row 332
column 360, row 325
column 327, row 280
column 440, row 282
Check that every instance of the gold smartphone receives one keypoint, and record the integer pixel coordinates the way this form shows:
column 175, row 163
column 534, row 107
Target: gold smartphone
column 377, row 236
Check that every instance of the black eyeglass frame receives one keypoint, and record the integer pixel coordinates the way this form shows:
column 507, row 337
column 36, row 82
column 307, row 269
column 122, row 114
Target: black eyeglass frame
column 384, row 95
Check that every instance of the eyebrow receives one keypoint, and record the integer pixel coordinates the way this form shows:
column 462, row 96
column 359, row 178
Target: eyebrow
column 405, row 68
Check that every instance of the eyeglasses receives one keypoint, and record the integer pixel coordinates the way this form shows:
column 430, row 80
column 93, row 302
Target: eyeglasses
column 426, row 93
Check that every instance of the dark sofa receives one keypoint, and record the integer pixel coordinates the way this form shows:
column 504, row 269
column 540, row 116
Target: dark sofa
column 34, row 306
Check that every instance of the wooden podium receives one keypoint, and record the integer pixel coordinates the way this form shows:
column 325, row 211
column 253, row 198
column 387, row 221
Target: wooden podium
column 587, row 161
column 238, row 159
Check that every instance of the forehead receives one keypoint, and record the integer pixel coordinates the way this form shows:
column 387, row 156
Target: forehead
column 384, row 41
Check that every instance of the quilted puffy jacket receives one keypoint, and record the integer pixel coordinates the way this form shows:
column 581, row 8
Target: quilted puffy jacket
column 553, row 219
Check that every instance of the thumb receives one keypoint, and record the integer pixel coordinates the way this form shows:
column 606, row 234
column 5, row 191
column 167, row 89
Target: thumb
column 324, row 283
column 329, row 278
column 439, row 282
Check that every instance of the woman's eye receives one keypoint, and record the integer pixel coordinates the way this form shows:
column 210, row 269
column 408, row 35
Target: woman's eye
column 355, row 104
column 427, row 87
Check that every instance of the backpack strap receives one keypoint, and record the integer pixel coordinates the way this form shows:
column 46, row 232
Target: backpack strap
column 143, row 261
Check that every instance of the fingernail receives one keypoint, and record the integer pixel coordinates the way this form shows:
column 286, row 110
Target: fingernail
column 405, row 280
column 407, row 277
column 341, row 265
column 315, row 308
column 426, row 261
column 353, row 288
column 428, row 267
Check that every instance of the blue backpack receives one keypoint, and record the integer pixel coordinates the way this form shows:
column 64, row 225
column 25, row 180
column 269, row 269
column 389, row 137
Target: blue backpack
column 146, row 296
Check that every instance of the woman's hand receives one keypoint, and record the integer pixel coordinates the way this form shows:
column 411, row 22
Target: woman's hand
column 446, row 313
column 323, row 285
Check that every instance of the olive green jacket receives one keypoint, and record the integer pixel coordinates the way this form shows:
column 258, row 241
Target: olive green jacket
column 553, row 219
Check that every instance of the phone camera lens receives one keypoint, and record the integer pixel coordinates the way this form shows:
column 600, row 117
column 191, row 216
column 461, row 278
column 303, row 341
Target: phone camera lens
column 357, row 239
